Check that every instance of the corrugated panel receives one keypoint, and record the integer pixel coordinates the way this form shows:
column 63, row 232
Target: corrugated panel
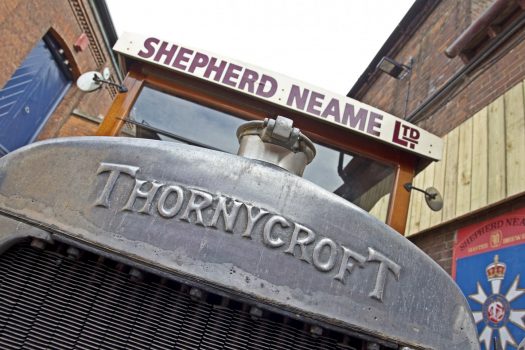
column 483, row 163
column 51, row 301
column 29, row 96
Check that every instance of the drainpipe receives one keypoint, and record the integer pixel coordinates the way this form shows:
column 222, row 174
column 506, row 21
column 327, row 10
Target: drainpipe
column 482, row 23
column 417, row 114
column 101, row 25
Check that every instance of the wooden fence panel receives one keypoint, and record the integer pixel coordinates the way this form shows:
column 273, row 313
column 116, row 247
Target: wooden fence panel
column 451, row 178
column 483, row 162
column 515, row 139
column 464, row 175
column 436, row 217
column 416, row 198
column 479, row 190
column 428, row 180
column 496, row 148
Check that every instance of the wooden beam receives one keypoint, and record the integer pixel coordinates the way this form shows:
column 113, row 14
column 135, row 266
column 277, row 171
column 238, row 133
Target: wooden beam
column 121, row 106
column 496, row 176
column 480, row 150
column 439, row 183
column 464, row 174
column 400, row 198
column 451, row 177
column 428, row 181
column 515, row 139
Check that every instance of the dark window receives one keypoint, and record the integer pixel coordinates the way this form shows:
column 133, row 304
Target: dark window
column 182, row 120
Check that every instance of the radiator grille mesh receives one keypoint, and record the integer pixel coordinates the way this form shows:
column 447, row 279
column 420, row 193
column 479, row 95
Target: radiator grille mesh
column 50, row 301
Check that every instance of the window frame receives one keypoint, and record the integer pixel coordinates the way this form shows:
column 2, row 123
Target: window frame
column 249, row 108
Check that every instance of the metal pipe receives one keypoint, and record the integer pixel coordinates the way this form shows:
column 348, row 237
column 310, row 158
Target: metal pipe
column 94, row 9
column 479, row 25
column 416, row 114
column 171, row 135
column 411, row 64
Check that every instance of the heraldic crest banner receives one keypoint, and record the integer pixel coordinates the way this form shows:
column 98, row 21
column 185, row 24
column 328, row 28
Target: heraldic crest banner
column 489, row 267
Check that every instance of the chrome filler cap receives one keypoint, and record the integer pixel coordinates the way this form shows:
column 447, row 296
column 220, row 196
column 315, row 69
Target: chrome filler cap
column 276, row 141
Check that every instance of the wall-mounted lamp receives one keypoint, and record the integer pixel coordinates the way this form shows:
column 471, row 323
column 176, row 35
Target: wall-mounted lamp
column 91, row 81
column 394, row 68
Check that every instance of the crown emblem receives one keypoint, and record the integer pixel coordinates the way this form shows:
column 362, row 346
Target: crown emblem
column 496, row 270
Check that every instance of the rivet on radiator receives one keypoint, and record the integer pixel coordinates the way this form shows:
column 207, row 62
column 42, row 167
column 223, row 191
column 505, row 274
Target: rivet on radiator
column 372, row 346
column 255, row 313
column 38, row 243
column 73, row 253
column 136, row 275
column 316, row 331
column 196, row 294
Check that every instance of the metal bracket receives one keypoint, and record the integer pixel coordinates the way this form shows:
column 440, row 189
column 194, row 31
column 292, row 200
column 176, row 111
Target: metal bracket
column 432, row 196
column 121, row 88
column 280, row 131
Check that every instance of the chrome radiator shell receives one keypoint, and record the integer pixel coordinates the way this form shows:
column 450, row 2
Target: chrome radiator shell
column 238, row 227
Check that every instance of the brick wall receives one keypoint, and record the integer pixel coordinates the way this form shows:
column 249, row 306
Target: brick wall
column 432, row 69
column 24, row 22
column 438, row 245
column 479, row 6
column 479, row 89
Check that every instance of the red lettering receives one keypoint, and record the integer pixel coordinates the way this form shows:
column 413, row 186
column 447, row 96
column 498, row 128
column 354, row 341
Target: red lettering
column 248, row 79
column 374, row 124
column 297, row 97
column 354, row 120
column 217, row 69
column 200, row 60
column 263, row 83
column 316, row 100
column 182, row 57
column 232, row 72
column 150, row 49
column 333, row 110
column 163, row 51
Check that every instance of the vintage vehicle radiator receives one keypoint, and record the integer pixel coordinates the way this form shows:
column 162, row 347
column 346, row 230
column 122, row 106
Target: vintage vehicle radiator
column 117, row 243
column 58, row 301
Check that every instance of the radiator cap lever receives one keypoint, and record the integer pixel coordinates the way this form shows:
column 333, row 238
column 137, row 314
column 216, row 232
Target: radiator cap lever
column 276, row 141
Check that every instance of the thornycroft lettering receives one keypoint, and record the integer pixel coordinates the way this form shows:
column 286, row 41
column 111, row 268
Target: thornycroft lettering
column 198, row 207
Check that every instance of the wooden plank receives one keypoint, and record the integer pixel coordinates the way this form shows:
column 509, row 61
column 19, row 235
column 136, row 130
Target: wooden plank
column 376, row 210
column 384, row 207
column 451, row 178
column 416, row 200
column 380, row 209
column 428, row 179
column 515, row 139
column 496, row 151
column 464, row 178
column 436, row 217
column 479, row 187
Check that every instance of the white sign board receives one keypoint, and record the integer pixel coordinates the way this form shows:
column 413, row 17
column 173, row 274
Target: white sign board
column 283, row 91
